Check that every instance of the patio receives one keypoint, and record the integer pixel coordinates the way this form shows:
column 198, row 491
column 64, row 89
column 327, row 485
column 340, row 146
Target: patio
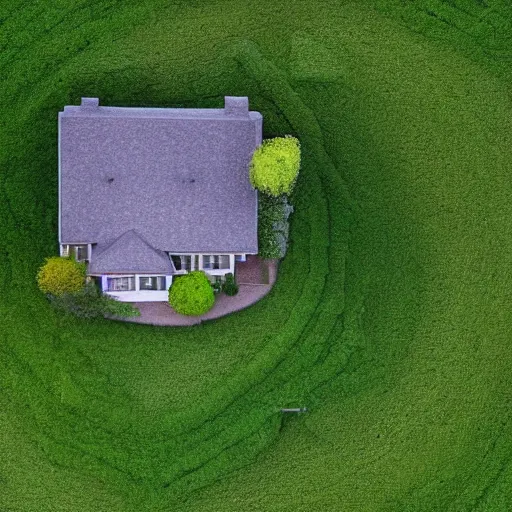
column 255, row 278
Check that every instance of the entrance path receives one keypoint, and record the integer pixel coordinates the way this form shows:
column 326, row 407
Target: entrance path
column 161, row 313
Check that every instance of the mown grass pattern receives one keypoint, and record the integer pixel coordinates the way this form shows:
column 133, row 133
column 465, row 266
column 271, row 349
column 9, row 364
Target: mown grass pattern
column 390, row 317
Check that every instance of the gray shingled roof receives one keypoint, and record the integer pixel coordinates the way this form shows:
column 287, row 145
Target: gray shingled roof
column 129, row 253
column 178, row 177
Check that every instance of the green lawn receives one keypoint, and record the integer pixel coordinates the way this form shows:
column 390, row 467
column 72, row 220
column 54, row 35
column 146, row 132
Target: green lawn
column 391, row 317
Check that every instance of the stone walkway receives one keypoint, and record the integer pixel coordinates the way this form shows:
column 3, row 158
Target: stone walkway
column 161, row 313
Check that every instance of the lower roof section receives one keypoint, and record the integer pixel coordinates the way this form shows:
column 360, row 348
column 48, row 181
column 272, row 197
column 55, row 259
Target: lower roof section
column 129, row 253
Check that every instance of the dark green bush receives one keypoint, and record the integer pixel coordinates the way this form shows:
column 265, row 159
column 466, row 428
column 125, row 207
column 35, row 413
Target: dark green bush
column 229, row 287
column 191, row 294
column 90, row 302
column 216, row 286
column 273, row 213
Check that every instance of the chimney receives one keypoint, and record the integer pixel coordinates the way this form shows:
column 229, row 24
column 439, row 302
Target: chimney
column 90, row 103
column 236, row 106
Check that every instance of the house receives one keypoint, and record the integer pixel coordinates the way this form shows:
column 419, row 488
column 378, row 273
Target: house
column 146, row 194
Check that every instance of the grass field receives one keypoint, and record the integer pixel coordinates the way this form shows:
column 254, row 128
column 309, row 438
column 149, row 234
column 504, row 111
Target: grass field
column 391, row 318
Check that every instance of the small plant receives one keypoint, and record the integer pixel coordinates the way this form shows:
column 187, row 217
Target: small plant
column 61, row 275
column 191, row 294
column 275, row 165
column 229, row 287
column 217, row 287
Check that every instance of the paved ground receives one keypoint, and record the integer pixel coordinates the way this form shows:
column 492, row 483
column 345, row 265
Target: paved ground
column 250, row 271
column 161, row 313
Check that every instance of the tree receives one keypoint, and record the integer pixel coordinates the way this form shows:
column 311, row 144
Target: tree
column 191, row 294
column 275, row 165
column 61, row 275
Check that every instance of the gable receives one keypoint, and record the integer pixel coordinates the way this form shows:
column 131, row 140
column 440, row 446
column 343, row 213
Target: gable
column 129, row 253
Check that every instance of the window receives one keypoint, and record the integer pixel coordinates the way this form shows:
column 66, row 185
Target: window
column 121, row 284
column 176, row 260
column 152, row 282
column 182, row 261
column 216, row 261
column 81, row 252
column 97, row 281
column 240, row 257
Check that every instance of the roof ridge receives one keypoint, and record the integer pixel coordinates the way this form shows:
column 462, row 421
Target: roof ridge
column 109, row 245
column 125, row 234
column 159, row 251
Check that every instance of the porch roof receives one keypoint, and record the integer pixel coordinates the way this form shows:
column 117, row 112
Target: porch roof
column 129, row 253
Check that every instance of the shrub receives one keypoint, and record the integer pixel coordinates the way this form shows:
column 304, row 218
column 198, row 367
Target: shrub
column 275, row 165
column 216, row 286
column 90, row 302
column 229, row 287
column 273, row 227
column 61, row 275
column 191, row 294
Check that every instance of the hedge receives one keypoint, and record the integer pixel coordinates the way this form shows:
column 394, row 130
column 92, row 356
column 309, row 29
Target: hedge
column 273, row 213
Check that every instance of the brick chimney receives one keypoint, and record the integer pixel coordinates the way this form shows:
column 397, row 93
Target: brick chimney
column 90, row 103
column 236, row 106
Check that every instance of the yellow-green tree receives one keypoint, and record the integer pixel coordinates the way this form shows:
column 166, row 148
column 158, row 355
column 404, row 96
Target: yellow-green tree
column 275, row 165
column 61, row 275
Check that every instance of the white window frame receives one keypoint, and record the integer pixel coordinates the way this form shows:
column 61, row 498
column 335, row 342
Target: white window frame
column 106, row 277
column 75, row 247
column 215, row 259
column 182, row 258
column 65, row 251
column 198, row 258
column 145, row 276
column 135, row 284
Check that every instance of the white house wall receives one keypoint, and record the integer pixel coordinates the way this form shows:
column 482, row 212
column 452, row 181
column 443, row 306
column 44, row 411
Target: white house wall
column 212, row 272
column 138, row 295
column 141, row 296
